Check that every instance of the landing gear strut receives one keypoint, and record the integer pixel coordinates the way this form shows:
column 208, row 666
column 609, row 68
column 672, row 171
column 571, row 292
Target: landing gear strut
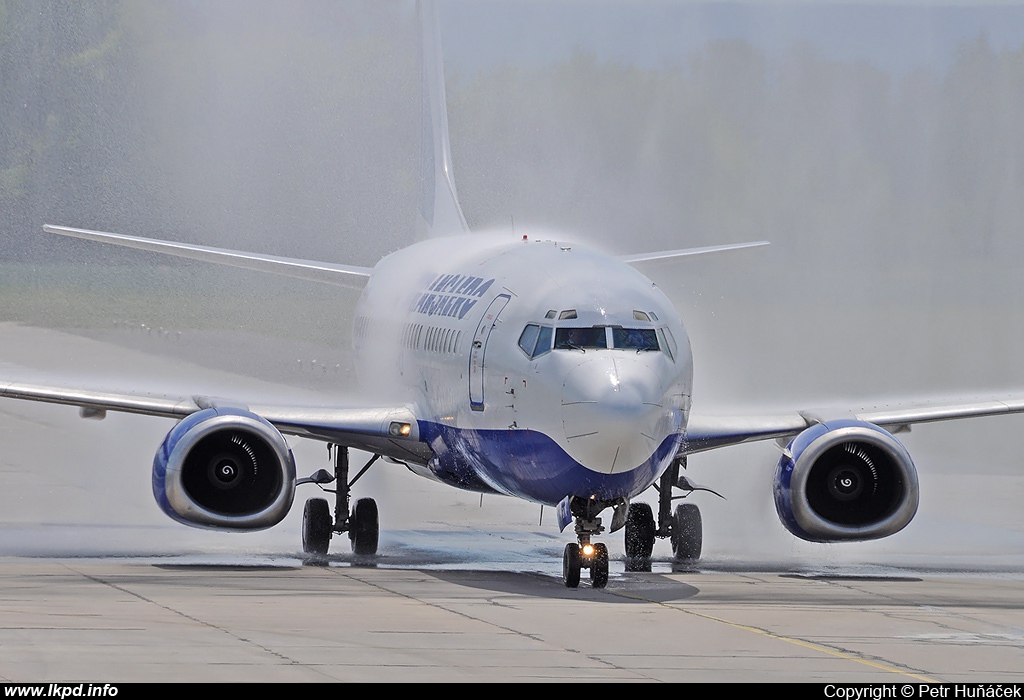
column 362, row 524
column 683, row 528
column 586, row 554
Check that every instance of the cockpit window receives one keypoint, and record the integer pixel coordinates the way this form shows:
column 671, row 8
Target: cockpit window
column 528, row 340
column 670, row 346
column 604, row 337
column 580, row 338
column 635, row 338
column 535, row 340
column 544, row 341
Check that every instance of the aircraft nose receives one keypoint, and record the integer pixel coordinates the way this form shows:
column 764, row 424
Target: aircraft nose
column 613, row 412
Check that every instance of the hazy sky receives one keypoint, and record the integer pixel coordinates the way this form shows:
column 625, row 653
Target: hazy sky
column 896, row 36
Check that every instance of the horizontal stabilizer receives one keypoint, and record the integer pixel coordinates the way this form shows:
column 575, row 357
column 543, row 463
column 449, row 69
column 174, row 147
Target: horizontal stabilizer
column 341, row 275
column 687, row 252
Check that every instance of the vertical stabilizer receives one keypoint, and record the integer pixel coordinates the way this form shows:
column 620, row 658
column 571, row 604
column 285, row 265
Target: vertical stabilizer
column 440, row 213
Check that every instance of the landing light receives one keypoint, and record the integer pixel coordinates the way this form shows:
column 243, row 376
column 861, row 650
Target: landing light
column 400, row 429
column 588, row 550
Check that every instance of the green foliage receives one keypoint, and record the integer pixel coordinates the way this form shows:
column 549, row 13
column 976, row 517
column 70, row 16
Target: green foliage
column 296, row 133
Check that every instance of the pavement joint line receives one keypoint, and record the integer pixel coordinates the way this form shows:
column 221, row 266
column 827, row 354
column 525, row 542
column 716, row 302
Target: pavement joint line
column 204, row 623
column 842, row 654
column 520, row 633
column 930, row 608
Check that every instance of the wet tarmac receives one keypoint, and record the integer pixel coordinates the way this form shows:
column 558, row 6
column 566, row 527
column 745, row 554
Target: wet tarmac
column 97, row 585
column 275, row 619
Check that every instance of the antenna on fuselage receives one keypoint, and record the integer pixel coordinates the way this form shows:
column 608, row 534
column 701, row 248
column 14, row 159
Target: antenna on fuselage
column 440, row 213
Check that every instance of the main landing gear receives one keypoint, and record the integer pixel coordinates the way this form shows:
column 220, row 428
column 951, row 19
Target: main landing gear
column 639, row 539
column 318, row 524
column 683, row 528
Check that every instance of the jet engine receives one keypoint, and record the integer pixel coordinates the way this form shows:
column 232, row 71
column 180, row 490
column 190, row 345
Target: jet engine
column 224, row 468
column 845, row 480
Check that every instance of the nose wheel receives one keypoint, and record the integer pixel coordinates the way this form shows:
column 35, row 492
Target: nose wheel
column 572, row 563
column 594, row 557
column 585, row 554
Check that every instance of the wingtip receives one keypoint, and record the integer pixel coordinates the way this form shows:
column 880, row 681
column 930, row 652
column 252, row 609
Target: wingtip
column 58, row 230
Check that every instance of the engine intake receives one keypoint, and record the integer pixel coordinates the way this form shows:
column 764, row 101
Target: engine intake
column 845, row 480
column 224, row 468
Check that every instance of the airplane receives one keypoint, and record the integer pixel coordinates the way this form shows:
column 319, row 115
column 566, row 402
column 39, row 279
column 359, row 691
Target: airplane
column 507, row 363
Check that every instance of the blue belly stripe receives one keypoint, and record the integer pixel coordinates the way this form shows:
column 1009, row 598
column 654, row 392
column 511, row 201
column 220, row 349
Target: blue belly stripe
column 529, row 464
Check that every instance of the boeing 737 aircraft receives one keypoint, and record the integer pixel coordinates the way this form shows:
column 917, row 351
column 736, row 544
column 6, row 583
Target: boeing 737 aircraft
column 512, row 365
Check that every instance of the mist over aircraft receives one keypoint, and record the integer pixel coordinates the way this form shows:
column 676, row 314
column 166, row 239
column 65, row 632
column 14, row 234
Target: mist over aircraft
column 526, row 367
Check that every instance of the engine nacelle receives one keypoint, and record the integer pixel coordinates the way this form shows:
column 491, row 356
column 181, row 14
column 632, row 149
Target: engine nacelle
column 845, row 480
column 224, row 468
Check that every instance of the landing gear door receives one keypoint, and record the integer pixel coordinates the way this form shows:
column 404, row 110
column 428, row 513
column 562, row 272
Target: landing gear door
column 478, row 351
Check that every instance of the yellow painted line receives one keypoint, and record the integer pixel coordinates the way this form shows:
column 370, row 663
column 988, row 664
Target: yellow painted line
column 782, row 638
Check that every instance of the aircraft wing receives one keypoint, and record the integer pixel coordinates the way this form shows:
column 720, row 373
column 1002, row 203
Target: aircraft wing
column 350, row 276
column 707, row 432
column 662, row 255
column 363, row 428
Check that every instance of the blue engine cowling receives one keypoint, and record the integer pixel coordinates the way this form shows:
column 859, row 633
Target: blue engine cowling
column 224, row 468
column 845, row 480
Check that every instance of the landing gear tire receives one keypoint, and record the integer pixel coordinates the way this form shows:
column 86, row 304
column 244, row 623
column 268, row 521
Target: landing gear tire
column 365, row 527
column 571, row 565
column 687, row 532
column 316, row 526
column 599, row 566
column 639, row 540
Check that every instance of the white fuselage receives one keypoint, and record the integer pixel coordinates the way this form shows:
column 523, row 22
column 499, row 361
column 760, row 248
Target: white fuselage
column 536, row 369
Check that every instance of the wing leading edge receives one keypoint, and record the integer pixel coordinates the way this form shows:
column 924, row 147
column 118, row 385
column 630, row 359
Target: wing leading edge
column 710, row 431
column 363, row 428
column 351, row 276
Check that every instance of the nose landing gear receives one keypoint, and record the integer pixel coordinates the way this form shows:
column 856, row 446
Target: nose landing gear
column 586, row 554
